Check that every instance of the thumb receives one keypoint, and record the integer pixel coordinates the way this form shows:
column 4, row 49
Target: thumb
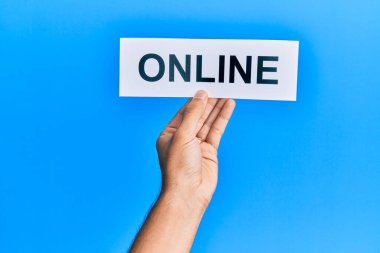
column 192, row 114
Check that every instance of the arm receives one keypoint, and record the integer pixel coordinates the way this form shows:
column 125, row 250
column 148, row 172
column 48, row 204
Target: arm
column 187, row 150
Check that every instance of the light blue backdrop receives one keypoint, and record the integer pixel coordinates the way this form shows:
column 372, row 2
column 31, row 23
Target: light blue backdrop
column 78, row 166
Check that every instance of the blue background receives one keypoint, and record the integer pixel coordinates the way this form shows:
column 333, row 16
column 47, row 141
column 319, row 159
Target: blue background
column 78, row 166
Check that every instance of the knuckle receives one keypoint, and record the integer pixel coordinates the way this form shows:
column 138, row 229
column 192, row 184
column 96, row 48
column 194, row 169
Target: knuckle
column 158, row 143
column 187, row 111
column 193, row 105
column 203, row 118
column 217, row 131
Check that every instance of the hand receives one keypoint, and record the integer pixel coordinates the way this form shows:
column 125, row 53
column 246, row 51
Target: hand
column 187, row 149
column 188, row 146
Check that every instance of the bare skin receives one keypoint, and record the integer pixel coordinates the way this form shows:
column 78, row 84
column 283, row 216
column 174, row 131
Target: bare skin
column 187, row 150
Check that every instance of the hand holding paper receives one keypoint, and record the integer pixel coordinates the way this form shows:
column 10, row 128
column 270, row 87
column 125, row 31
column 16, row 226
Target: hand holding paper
column 188, row 146
column 187, row 150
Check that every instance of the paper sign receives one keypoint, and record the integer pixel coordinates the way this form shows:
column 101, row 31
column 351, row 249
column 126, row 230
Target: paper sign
column 248, row 69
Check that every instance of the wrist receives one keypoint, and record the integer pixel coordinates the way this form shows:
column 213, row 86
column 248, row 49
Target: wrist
column 186, row 203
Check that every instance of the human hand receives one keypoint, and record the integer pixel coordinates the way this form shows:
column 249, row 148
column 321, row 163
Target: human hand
column 187, row 148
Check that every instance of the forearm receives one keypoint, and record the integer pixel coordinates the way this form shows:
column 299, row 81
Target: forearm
column 171, row 225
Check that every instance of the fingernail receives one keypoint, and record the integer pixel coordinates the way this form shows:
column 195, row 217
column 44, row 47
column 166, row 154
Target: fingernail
column 201, row 94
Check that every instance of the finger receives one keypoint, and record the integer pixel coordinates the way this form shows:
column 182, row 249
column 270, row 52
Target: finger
column 217, row 129
column 202, row 133
column 174, row 123
column 192, row 114
column 211, row 102
column 177, row 119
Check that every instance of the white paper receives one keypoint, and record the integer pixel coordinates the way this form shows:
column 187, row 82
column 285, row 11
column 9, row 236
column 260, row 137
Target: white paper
column 133, row 50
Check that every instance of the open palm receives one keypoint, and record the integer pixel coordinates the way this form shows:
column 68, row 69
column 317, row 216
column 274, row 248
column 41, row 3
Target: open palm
column 188, row 145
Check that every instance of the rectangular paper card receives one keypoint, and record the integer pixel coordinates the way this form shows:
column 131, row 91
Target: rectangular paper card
column 247, row 69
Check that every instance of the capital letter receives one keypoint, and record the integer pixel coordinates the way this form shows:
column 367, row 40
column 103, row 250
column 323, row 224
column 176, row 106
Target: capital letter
column 234, row 63
column 261, row 69
column 199, row 72
column 173, row 62
column 161, row 67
